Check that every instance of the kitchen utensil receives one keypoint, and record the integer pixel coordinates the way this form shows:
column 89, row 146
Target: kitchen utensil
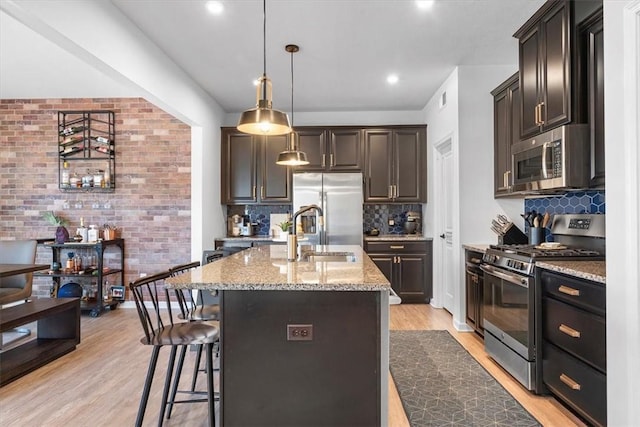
column 497, row 231
column 546, row 219
column 536, row 222
column 503, row 219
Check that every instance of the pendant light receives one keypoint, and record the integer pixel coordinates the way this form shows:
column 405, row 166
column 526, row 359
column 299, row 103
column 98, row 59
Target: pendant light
column 292, row 157
column 263, row 120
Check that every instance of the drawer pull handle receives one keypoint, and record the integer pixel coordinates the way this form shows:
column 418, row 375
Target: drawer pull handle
column 569, row 331
column 569, row 291
column 569, row 382
column 397, row 246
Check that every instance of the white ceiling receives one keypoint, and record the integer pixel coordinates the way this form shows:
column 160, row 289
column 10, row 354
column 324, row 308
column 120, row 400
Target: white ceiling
column 347, row 49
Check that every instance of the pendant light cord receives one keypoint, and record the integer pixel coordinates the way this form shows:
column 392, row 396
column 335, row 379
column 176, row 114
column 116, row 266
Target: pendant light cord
column 292, row 51
column 264, row 48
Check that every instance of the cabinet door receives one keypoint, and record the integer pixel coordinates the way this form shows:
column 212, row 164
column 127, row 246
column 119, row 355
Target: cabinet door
column 378, row 165
column 345, row 150
column 411, row 277
column 530, row 68
column 385, row 263
column 312, row 141
column 409, row 165
column 238, row 168
column 556, row 84
column 275, row 185
column 472, row 303
column 506, row 120
column 595, row 77
column 501, row 146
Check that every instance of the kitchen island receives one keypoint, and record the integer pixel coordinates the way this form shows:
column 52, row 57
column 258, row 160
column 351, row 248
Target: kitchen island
column 302, row 343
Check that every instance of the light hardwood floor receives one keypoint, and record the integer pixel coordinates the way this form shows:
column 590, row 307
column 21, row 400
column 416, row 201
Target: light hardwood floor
column 99, row 384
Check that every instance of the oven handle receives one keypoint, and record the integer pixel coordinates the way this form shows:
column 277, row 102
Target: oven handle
column 511, row 278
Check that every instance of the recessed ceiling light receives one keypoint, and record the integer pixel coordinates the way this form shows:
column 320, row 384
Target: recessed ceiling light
column 424, row 4
column 215, row 7
column 392, row 79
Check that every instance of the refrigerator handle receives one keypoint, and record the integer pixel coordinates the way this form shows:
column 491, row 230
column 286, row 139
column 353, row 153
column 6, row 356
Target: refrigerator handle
column 323, row 231
column 323, row 160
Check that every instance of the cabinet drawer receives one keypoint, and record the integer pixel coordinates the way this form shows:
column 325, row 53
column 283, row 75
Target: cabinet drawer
column 395, row 247
column 580, row 386
column 581, row 333
column 582, row 293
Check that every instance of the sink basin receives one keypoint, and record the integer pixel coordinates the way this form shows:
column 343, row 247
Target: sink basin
column 328, row 257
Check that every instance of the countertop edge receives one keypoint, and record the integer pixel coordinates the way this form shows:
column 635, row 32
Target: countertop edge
column 589, row 270
column 479, row 247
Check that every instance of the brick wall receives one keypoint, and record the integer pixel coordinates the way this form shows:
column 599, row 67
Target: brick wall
column 152, row 201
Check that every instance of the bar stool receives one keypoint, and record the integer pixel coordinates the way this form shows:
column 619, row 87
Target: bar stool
column 160, row 330
column 192, row 309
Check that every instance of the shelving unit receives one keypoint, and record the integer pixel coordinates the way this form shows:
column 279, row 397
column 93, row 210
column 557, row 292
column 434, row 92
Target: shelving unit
column 86, row 150
column 91, row 277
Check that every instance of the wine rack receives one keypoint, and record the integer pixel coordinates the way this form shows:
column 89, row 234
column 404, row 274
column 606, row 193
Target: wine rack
column 86, row 151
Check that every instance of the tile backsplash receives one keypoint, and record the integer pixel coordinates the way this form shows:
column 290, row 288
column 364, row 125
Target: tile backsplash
column 569, row 203
column 574, row 202
column 373, row 216
column 377, row 216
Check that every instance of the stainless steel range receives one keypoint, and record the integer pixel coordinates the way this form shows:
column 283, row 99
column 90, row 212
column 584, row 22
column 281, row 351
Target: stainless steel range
column 510, row 290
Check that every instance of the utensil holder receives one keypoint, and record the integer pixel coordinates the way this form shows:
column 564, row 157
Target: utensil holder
column 536, row 235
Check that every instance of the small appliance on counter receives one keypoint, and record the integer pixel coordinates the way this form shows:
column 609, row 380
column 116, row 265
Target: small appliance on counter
column 234, row 225
column 412, row 224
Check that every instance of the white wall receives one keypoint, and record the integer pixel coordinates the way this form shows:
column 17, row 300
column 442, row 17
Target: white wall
column 468, row 120
column 109, row 42
column 477, row 205
column 622, row 156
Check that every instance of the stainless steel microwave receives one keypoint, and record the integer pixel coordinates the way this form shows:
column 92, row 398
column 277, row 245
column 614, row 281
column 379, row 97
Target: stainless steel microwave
column 555, row 160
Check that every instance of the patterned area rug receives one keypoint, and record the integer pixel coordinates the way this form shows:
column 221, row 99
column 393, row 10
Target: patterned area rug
column 441, row 384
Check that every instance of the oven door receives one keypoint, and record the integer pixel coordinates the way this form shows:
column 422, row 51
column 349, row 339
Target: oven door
column 508, row 309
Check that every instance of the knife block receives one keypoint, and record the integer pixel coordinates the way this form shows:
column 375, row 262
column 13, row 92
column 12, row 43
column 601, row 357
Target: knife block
column 513, row 236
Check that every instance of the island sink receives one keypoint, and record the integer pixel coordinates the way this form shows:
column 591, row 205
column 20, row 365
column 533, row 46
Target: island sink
column 328, row 257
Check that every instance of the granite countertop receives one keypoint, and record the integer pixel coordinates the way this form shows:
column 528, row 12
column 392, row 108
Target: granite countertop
column 476, row 247
column 405, row 237
column 590, row 270
column 266, row 268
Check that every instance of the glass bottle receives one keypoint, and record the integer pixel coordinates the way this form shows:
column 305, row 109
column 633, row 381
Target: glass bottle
column 65, row 181
column 70, row 263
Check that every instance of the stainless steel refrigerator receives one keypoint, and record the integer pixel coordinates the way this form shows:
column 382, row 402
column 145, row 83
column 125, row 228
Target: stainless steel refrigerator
column 340, row 197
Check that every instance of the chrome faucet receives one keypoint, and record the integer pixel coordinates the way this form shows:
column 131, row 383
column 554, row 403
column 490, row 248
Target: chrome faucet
column 292, row 238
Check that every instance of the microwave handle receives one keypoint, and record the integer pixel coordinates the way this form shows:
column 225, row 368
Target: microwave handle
column 544, row 160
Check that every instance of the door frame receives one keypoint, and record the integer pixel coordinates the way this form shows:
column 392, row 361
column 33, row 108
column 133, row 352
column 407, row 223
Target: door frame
column 438, row 218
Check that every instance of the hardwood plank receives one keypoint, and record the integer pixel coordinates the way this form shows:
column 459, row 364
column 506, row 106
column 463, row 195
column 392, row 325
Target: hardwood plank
column 101, row 381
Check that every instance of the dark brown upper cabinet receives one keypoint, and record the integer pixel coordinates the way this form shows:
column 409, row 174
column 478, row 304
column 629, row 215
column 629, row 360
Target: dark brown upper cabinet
column 506, row 132
column 395, row 165
column 552, row 81
column 592, row 40
column 331, row 149
column 249, row 173
column 545, row 74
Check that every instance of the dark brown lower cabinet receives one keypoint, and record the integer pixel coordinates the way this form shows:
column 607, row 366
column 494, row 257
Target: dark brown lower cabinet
column 407, row 265
column 574, row 343
column 474, row 293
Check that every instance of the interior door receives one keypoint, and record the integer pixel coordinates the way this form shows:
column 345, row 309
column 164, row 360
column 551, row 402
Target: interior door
column 444, row 171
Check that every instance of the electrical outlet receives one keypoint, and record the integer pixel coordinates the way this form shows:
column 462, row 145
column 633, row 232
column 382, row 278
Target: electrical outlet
column 392, row 222
column 299, row 332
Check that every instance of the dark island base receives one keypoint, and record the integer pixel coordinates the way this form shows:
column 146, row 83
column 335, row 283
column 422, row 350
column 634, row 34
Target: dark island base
column 334, row 379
